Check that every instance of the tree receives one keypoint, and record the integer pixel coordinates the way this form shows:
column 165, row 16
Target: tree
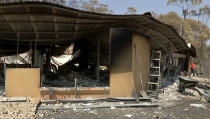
column 131, row 10
column 185, row 5
column 202, row 14
column 173, row 19
column 155, row 15
column 74, row 3
column 95, row 6
column 69, row 3
column 202, row 33
column 196, row 32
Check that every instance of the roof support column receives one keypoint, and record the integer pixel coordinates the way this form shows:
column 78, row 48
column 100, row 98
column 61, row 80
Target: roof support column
column 38, row 59
column 98, row 60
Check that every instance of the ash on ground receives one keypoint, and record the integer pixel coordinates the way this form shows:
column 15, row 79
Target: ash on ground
column 169, row 94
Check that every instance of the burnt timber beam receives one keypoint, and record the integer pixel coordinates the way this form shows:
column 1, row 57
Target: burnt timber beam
column 32, row 32
column 31, row 19
column 76, row 26
column 55, row 27
column 10, row 24
column 57, row 22
column 50, row 40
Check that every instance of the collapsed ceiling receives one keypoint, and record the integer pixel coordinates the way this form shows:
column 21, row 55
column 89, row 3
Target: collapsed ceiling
column 46, row 24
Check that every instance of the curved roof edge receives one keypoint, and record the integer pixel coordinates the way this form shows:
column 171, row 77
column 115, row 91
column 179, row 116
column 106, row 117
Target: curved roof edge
column 163, row 36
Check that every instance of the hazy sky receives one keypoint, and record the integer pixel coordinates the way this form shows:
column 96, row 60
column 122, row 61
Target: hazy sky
column 142, row 6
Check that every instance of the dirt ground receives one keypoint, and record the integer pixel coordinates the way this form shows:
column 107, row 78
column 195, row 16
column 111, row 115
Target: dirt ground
column 183, row 110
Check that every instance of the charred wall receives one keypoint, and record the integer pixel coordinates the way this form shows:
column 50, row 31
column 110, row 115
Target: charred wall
column 130, row 62
column 121, row 83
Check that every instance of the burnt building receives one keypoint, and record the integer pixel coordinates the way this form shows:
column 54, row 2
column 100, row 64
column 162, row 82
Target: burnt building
column 104, row 55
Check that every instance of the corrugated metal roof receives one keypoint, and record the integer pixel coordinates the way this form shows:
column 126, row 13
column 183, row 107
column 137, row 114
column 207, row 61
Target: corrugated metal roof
column 49, row 24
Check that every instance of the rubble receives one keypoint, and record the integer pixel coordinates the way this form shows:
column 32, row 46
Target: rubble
column 170, row 91
column 95, row 105
column 10, row 110
column 16, row 107
column 128, row 115
column 91, row 107
column 112, row 107
column 13, row 99
column 93, row 112
column 2, row 94
column 198, row 105
column 69, row 80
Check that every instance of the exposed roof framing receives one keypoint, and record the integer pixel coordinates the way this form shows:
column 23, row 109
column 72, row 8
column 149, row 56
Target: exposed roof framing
column 13, row 28
column 55, row 24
